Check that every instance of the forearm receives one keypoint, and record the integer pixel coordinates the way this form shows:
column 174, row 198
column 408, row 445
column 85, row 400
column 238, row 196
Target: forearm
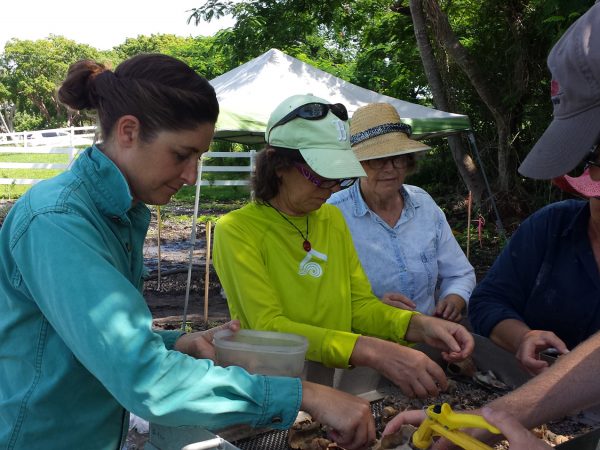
column 365, row 352
column 567, row 386
column 509, row 333
column 372, row 317
column 415, row 330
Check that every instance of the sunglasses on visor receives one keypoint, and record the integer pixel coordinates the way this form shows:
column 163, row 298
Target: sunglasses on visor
column 314, row 111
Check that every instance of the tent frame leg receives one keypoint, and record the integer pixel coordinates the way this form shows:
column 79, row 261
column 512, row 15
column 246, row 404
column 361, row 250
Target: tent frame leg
column 473, row 145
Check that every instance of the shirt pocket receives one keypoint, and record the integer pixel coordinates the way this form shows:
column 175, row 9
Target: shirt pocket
column 16, row 278
column 429, row 262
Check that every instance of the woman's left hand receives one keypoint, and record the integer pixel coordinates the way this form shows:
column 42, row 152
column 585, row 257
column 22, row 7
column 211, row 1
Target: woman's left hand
column 453, row 339
column 450, row 308
column 200, row 344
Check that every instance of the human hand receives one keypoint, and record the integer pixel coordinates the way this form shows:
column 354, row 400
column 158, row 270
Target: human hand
column 411, row 370
column 200, row 344
column 450, row 308
column 518, row 436
column 532, row 343
column 350, row 417
column 398, row 300
column 417, row 416
column 453, row 339
column 413, row 417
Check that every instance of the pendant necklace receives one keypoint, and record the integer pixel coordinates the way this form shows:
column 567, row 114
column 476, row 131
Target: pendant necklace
column 306, row 244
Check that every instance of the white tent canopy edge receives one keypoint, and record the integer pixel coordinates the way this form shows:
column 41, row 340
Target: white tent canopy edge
column 255, row 88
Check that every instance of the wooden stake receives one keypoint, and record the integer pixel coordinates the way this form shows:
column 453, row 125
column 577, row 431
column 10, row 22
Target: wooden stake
column 469, row 204
column 207, row 269
column 158, row 218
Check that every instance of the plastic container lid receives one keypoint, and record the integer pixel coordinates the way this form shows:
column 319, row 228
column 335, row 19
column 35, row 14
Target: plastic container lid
column 264, row 341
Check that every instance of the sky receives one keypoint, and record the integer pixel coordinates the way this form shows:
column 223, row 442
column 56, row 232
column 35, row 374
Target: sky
column 101, row 24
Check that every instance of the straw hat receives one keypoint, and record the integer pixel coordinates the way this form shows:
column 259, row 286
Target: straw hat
column 376, row 131
column 582, row 185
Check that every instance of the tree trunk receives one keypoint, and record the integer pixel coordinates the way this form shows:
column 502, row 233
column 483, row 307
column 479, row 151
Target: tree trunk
column 7, row 116
column 448, row 40
column 466, row 166
column 3, row 125
column 503, row 148
column 41, row 106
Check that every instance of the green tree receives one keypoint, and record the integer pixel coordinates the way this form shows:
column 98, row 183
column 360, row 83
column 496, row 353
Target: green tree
column 258, row 28
column 494, row 58
column 490, row 56
column 30, row 72
column 199, row 52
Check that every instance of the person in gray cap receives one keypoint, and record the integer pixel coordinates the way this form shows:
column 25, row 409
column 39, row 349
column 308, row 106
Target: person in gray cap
column 571, row 384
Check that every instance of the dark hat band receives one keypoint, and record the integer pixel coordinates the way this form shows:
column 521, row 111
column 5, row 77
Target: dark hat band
column 379, row 130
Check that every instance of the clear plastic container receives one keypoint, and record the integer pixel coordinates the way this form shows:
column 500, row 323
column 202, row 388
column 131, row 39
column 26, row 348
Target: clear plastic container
column 262, row 352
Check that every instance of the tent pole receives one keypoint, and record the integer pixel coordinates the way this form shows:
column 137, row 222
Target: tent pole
column 192, row 244
column 473, row 145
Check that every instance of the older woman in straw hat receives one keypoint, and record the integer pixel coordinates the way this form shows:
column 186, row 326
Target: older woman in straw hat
column 402, row 237
column 287, row 263
column 543, row 291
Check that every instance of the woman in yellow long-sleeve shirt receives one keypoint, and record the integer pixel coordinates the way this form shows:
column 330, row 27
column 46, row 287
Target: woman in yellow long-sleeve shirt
column 287, row 261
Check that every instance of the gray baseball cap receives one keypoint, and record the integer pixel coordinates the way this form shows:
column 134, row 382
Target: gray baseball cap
column 574, row 62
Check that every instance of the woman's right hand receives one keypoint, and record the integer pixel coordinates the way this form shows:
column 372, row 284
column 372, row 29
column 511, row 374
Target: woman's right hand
column 532, row 343
column 350, row 417
column 411, row 370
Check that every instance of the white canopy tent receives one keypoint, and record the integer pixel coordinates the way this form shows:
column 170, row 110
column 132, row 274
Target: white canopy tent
column 255, row 88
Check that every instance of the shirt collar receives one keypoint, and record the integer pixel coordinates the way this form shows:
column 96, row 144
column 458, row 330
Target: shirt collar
column 579, row 221
column 105, row 183
column 411, row 202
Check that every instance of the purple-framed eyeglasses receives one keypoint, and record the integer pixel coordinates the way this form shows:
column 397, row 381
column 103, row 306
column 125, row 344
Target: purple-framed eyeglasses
column 324, row 183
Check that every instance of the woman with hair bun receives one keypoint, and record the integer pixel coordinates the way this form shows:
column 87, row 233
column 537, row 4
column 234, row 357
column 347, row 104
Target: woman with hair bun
column 78, row 350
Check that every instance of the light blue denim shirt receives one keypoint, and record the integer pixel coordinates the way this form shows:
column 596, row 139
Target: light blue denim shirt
column 418, row 257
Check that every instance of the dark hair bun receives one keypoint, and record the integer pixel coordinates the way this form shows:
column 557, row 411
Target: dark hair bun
column 78, row 90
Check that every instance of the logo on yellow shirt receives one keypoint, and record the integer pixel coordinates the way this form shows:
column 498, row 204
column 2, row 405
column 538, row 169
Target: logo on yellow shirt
column 312, row 268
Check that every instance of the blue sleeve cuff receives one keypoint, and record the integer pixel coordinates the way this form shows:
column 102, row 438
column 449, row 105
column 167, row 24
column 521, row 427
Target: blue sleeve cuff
column 169, row 337
column 282, row 402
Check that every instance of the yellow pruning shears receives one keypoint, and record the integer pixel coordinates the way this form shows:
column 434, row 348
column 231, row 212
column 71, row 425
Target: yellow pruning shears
column 442, row 421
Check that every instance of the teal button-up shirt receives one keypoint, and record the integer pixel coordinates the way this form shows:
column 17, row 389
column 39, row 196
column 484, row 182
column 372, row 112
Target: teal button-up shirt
column 76, row 345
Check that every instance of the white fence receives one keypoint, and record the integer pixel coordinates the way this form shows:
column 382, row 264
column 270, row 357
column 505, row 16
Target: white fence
column 66, row 141
column 248, row 168
column 70, row 141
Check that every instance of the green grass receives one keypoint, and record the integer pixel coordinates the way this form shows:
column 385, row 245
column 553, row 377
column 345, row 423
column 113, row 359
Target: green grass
column 213, row 194
column 28, row 173
column 34, row 157
column 12, row 191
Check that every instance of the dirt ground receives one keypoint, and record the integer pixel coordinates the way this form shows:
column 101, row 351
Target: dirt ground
column 165, row 295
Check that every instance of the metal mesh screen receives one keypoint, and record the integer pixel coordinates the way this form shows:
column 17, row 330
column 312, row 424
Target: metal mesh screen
column 278, row 440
